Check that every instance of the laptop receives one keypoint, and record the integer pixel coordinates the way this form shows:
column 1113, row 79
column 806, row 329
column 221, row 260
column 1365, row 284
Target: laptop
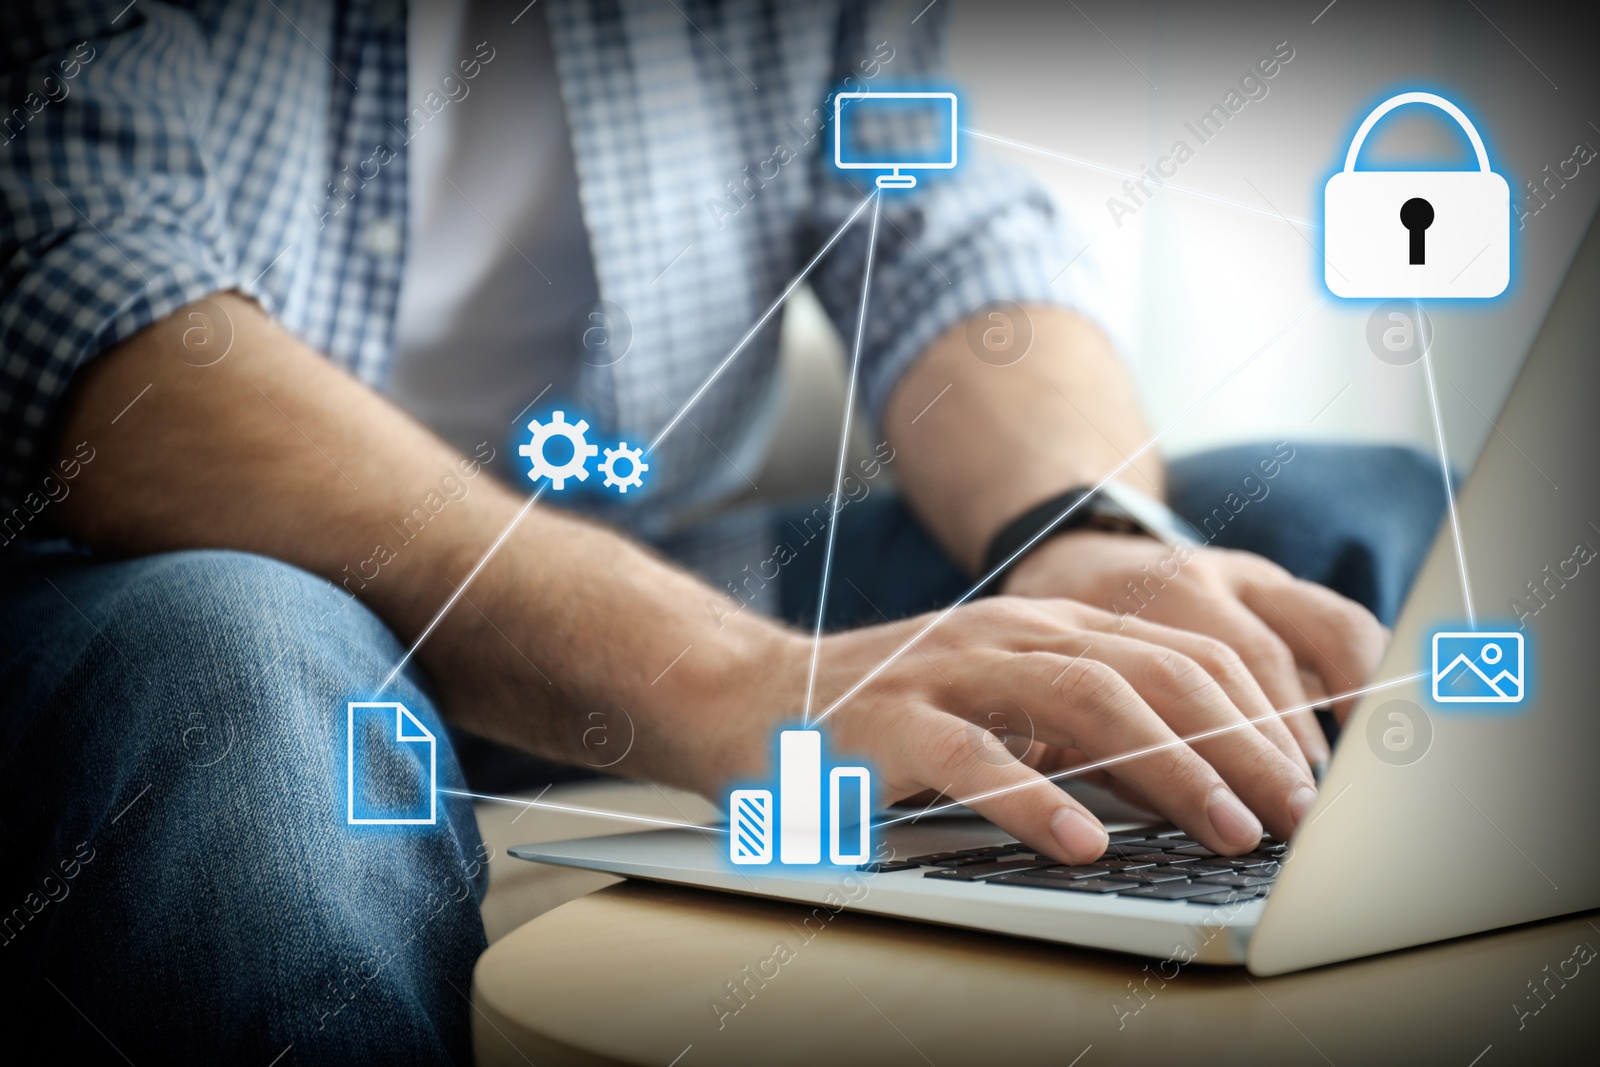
column 1436, row 818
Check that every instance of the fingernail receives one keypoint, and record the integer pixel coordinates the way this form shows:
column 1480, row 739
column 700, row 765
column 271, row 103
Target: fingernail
column 1084, row 840
column 1231, row 819
column 1300, row 802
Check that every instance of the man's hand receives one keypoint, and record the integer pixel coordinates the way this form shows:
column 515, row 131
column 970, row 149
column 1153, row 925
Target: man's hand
column 1300, row 641
column 1003, row 438
column 1095, row 689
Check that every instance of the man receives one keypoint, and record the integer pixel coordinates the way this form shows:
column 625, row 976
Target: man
column 237, row 255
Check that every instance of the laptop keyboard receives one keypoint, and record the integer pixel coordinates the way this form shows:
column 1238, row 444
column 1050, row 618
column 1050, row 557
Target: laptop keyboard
column 1155, row 863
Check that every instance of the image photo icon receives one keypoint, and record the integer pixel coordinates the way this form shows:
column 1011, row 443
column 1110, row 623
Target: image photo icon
column 1478, row 668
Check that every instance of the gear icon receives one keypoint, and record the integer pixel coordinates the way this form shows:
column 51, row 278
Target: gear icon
column 636, row 463
column 558, row 473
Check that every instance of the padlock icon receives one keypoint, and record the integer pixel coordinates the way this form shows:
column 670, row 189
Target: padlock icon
column 1405, row 234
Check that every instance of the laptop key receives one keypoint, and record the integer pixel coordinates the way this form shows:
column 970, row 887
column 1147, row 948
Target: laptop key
column 1081, row 885
column 1194, row 850
column 978, row 871
column 1141, row 857
column 1242, row 863
column 1168, row 891
column 1178, row 841
column 1120, row 865
column 1060, row 871
column 889, row 866
column 932, row 858
column 994, row 851
column 1237, row 881
column 1148, row 877
column 1226, row 896
column 1201, row 868
column 1146, row 844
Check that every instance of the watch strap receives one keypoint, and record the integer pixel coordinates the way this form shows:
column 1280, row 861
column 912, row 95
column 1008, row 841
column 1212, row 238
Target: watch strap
column 1068, row 510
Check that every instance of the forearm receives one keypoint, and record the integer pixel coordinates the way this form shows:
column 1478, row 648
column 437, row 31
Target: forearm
column 274, row 450
column 1002, row 439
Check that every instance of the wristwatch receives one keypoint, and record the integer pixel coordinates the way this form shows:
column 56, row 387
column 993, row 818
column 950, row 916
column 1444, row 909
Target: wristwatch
column 1111, row 506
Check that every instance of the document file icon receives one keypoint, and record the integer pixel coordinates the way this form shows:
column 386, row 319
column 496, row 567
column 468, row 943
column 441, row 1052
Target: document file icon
column 751, row 825
column 1478, row 668
column 391, row 766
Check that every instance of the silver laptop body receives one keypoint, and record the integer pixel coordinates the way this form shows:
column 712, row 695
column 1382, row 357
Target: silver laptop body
column 1469, row 818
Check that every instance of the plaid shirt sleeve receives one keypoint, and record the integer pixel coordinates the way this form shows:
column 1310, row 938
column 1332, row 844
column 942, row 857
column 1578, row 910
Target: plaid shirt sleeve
column 964, row 238
column 107, row 221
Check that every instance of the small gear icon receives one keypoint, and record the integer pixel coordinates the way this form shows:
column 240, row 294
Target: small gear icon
column 636, row 463
column 558, row 473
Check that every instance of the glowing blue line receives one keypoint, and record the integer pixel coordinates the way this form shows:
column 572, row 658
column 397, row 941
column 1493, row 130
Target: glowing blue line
column 1449, row 490
column 844, row 450
column 1160, row 183
column 620, row 815
column 462, row 588
column 762, row 321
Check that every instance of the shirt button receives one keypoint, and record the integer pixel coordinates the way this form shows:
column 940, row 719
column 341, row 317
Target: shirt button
column 382, row 238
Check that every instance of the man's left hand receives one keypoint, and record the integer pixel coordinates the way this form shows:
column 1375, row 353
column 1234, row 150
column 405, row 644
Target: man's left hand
column 1300, row 641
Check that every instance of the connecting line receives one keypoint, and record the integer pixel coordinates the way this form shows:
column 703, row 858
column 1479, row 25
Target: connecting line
column 1049, row 527
column 762, row 321
column 619, row 815
column 461, row 589
column 1449, row 490
column 844, row 449
column 1084, row 768
column 1023, row 146
column 671, row 424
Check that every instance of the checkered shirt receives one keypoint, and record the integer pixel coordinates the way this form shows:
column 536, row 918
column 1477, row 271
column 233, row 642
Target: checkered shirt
column 192, row 148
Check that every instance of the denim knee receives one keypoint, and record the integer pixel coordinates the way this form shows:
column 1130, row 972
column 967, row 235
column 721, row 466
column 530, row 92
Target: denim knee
column 183, row 717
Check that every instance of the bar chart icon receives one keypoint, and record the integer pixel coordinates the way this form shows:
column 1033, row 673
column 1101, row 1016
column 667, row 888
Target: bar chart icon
column 794, row 818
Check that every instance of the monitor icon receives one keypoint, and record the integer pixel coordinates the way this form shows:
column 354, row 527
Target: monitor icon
column 894, row 132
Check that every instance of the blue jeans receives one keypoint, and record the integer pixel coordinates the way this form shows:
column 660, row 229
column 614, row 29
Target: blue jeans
column 180, row 880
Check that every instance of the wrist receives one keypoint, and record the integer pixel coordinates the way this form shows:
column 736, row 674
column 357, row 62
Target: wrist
column 1108, row 507
column 718, row 711
column 1061, row 565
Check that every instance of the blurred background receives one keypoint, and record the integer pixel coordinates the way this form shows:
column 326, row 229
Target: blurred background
column 1195, row 286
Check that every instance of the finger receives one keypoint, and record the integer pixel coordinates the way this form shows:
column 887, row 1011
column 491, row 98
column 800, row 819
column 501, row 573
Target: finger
column 1008, row 793
column 1053, row 762
column 1311, row 682
column 1339, row 638
column 1259, row 685
column 1088, row 705
column 1273, row 666
column 1225, row 666
column 1188, row 699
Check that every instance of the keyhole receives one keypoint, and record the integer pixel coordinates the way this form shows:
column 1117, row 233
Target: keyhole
column 1416, row 215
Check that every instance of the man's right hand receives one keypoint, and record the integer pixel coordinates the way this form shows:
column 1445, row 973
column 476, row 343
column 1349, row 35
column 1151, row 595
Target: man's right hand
column 1091, row 694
